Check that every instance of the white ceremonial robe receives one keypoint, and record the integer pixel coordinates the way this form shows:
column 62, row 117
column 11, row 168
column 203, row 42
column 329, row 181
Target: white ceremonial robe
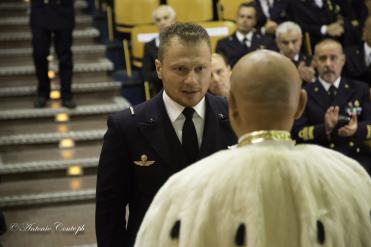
column 284, row 196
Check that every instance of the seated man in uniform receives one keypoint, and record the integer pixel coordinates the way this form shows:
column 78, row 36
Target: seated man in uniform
column 220, row 74
column 289, row 40
column 267, row 191
column 358, row 64
column 246, row 39
column 338, row 113
column 162, row 17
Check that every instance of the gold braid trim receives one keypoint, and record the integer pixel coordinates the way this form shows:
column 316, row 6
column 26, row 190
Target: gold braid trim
column 264, row 135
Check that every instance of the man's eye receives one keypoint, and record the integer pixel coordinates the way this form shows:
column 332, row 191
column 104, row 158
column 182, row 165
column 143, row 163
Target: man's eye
column 200, row 68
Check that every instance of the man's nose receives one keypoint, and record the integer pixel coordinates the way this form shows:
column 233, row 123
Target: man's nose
column 191, row 77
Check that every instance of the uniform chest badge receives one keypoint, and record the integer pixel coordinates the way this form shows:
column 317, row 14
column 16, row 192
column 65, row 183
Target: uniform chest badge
column 144, row 161
column 354, row 108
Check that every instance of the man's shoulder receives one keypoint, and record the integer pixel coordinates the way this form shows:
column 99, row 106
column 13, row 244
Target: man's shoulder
column 217, row 102
column 230, row 38
column 135, row 113
column 356, row 84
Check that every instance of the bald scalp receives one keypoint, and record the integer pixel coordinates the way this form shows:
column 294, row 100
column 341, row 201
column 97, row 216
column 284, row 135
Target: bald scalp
column 266, row 79
column 328, row 42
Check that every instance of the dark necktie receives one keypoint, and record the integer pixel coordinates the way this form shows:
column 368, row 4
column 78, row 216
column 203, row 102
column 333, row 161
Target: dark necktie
column 246, row 42
column 189, row 135
column 332, row 91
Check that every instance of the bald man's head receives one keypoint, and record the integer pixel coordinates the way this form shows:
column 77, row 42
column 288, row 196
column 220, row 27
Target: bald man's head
column 265, row 93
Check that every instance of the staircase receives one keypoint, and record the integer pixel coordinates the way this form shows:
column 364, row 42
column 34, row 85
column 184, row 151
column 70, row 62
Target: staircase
column 49, row 156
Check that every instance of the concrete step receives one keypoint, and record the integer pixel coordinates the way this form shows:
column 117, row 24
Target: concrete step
column 87, row 104
column 76, row 88
column 23, row 56
column 31, row 128
column 100, row 64
column 74, row 215
column 39, row 169
column 21, row 9
column 97, row 69
column 47, row 191
column 11, row 24
column 84, row 36
column 30, row 80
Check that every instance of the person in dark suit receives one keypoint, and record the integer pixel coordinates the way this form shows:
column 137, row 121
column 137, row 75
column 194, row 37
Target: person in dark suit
column 147, row 143
column 358, row 64
column 338, row 112
column 323, row 19
column 163, row 17
column 52, row 20
column 270, row 13
column 289, row 41
column 246, row 39
column 220, row 76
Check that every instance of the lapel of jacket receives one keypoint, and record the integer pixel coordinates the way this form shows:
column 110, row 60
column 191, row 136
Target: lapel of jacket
column 215, row 120
column 319, row 94
column 344, row 93
column 161, row 135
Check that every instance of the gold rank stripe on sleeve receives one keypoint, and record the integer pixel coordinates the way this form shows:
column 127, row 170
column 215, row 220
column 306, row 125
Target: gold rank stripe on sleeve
column 368, row 132
column 307, row 133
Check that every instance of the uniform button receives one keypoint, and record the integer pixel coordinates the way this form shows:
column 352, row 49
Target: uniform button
column 46, row 1
column 351, row 144
column 358, row 150
column 332, row 145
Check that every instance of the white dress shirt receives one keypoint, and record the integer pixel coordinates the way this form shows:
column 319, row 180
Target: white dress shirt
column 367, row 54
column 327, row 85
column 174, row 111
column 265, row 7
column 248, row 37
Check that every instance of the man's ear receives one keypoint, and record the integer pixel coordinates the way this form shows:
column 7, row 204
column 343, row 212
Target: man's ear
column 158, row 68
column 302, row 104
column 232, row 106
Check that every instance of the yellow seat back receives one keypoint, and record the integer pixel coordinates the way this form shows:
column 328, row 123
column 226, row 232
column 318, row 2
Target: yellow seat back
column 129, row 13
column 218, row 30
column 192, row 10
column 139, row 35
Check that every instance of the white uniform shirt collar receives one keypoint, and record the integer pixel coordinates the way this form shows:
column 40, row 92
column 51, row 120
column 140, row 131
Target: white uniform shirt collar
column 157, row 41
column 174, row 110
column 327, row 85
column 367, row 53
column 296, row 58
column 248, row 36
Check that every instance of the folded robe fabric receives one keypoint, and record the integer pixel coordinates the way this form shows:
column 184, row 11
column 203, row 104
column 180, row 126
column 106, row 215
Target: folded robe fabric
column 262, row 195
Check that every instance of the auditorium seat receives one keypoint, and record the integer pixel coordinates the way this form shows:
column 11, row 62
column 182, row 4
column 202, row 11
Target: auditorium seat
column 192, row 10
column 218, row 30
column 129, row 13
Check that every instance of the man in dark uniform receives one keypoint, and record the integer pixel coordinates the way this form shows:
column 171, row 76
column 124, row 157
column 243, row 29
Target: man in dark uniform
column 321, row 19
column 146, row 144
column 338, row 112
column 358, row 64
column 289, row 40
column 163, row 17
column 270, row 13
column 52, row 20
column 246, row 39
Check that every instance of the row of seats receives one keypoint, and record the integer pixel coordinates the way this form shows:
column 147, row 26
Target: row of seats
column 144, row 33
column 129, row 13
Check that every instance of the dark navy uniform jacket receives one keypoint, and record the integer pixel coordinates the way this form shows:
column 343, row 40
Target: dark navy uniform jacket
column 310, row 127
column 232, row 49
column 140, row 152
column 311, row 18
column 277, row 12
column 355, row 66
column 149, row 68
column 52, row 14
